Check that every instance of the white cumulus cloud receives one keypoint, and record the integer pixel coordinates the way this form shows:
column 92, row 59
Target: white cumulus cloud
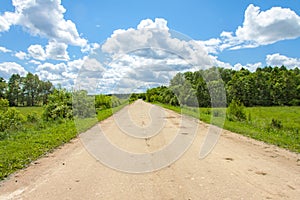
column 259, row 28
column 35, row 62
column 53, row 73
column 57, row 51
column 155, row 34
column 251, row 67
column 4, row 50
column 62, row 73
column 37, row 52
column 21, row 55
column 267, row 27
column 9, row 68
column 46, row 19
column 6, row 20
column 53, row 50
column 149, row 55
column 279, row 60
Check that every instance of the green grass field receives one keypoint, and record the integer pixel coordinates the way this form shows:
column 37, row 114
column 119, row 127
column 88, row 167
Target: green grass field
column 25, row 110
column 258, row 124
column 19, row 148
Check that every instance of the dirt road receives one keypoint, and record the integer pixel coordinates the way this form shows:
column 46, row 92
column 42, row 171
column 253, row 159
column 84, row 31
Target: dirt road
column 237, row 168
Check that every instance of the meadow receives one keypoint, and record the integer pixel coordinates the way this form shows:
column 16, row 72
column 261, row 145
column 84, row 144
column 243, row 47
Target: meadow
column 20, row 147
column 278, row 125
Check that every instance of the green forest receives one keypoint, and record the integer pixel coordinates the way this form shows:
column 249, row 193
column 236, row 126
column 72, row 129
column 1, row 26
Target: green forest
column 267, row 86
column 25, row 91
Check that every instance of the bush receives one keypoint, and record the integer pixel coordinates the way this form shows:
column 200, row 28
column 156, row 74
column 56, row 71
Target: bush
column 104, row 101
column 33, row 117
column 59, row 106
column 3, row 104
column 83, row 105
column 236, row 111
column 11, row 119
column 294, row 102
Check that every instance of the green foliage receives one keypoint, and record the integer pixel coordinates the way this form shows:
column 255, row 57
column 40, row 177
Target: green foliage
column 59, row 106
column 11, row 119
column 83, row 104
column 3, row 105
column 162, row 94
column 136, row 96
column 236, row 111
column 3, row 87
column 33, row 117
column 106, row 101
column 25, row 91
column 265, row 87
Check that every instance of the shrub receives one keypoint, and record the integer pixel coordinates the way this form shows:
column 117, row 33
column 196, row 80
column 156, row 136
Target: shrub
column 59, row 106
column 3, row 104
column 236, row 111
column 104, row 101
column 11, row 119
column 32, row 117
column 83, row 104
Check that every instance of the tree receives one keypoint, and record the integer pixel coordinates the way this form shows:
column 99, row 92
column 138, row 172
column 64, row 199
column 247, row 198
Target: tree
column 44, row 90
column 3, row 87
column 31, row 89
column 14, row 89
column 265, row 87
column 83, row 104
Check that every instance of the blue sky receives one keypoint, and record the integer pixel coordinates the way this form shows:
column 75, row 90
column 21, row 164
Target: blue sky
column 55, row 38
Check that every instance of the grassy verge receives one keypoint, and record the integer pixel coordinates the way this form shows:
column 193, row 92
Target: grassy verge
column 25, row 110
column 19, row 148
column 105, row 113
column 258, row 125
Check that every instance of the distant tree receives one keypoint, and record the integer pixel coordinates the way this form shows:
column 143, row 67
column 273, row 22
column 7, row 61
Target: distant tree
column 31, row 89
column 83, row 104
column 45, row 89
column 14, row 89
column 3, row 88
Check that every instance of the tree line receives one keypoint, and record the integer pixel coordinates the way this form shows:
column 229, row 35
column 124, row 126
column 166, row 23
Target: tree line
column 268, row 86
column 25, row 91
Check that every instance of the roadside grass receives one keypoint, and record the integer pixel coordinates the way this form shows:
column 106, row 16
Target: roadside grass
column 26, row 110
column 105, row 113
column 258, row 125
column 19, row 148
